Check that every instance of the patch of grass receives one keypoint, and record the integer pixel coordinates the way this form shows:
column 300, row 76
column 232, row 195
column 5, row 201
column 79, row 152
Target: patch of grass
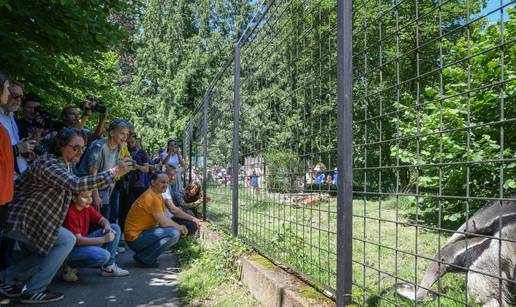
column 262, row 261
column 209, row 276
column 311, row 293
column 388, row 248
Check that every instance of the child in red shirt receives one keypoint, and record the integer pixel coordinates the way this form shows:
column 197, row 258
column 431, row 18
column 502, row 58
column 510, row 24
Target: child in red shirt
column 97, row 249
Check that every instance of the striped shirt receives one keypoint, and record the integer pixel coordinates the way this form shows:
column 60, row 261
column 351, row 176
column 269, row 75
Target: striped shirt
column 42, row 196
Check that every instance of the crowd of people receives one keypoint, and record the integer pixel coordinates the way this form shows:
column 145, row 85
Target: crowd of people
column 72, row 198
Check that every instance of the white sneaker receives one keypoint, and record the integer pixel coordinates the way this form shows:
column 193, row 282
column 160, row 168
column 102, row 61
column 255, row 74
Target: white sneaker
column 113, row 270
column 70, row 274
column 120, row 250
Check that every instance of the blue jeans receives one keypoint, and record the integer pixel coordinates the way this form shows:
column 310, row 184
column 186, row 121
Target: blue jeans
column 191, row 226
column 38, row 270
column 110, row 211
column 94, row 256
column 153, row 242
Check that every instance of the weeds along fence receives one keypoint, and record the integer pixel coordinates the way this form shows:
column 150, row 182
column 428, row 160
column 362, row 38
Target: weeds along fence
column 407, row 109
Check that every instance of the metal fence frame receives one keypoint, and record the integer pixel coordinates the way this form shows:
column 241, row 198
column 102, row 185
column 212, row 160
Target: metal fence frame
column 345, row 147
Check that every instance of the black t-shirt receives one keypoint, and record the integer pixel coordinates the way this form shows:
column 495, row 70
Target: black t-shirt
column 24, row 128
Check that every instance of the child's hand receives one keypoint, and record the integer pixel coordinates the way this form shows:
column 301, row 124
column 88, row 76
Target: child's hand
column 108, row 237
column 108, row 229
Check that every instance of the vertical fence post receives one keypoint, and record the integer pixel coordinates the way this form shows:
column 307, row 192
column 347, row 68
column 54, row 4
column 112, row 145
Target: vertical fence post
column 185, row 138
column 205, row 153
column 236, row 144
column 190, row 149
column 344, row 151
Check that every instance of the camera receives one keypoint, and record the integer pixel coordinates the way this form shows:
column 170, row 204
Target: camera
column 43, row 118
column 96, row 105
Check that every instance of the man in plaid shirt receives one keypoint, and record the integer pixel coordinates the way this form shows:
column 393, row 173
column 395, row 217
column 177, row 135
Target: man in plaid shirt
column 41, row 200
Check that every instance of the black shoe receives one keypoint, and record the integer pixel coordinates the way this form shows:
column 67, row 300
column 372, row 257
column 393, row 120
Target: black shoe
column 142, row 264
column 10, row 290
column 45, row 296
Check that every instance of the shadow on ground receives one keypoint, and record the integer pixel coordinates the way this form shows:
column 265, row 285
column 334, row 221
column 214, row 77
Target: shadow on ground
column 142, row 288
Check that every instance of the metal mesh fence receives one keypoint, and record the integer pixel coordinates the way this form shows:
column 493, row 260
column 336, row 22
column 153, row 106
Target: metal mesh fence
column 430, row 147
column 219, row 140
column 434, row 125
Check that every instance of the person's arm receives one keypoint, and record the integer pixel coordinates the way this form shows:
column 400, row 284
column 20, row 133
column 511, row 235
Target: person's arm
column 180, row 156
column 105, row 225
column 84, row 118
column 191, row 205
column 143, row 168
column 108, row 237
column 163, row 221
column 180, row 213
column 97, row 201
column 167, row 158
column 100, row 127
column 56, row 175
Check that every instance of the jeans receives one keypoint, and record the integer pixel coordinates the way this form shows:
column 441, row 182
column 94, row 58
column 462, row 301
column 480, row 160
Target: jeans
column 94, row 256
column 38, row 270
column 153, row 242
column 6, row 244
column 110, row 211
column 191, row 226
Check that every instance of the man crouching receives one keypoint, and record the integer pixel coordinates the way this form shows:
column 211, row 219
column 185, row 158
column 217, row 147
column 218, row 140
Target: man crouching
column 148, row 231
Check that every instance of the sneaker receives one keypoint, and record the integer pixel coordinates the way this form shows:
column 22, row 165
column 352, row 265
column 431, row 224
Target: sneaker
column 10, row 290
column 142, row 264
column 113, row 270
column 45, row 296
column 120, row 250
column 70, row 274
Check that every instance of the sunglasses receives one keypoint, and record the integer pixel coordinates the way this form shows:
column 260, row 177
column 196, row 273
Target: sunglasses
column 77, row 147
column 16, row 97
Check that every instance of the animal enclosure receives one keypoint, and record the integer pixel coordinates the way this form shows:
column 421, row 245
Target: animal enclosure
column 431, row 165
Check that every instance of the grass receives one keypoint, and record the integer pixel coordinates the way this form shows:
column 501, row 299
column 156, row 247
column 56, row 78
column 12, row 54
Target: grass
column 209, row 276
column 303, row 238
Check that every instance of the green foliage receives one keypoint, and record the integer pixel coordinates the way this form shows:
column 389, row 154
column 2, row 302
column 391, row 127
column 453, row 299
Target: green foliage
column 180, row 47
column 211, row 274
column 46, row 43
column 444, row 124
column 283, row 167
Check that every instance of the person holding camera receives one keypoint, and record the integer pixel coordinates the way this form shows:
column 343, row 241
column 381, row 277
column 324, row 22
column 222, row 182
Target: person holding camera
column 42, row 197
column 35, row 124
column 102, row 155
column 22, row 148
column 174, row 157
column 30, row 105
column 71, row 117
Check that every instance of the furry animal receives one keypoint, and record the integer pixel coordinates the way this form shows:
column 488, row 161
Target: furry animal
column 468, row 251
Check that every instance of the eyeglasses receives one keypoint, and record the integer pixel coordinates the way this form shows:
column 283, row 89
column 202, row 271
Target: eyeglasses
column 16, row 97
column 77, row 147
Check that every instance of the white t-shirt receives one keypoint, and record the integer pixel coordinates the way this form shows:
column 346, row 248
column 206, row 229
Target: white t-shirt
column 9, row 124
column 167, row 195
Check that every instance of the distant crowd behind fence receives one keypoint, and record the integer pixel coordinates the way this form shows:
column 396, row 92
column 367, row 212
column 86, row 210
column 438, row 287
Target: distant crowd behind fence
column 407, row 108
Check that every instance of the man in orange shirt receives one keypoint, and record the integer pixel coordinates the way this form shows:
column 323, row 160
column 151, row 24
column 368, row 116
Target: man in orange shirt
column 148, row 231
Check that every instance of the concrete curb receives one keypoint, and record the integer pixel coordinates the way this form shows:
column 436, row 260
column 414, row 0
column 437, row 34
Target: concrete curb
column 271, row 285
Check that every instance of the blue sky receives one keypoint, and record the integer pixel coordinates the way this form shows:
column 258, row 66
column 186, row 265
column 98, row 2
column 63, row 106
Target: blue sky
column 495, row 4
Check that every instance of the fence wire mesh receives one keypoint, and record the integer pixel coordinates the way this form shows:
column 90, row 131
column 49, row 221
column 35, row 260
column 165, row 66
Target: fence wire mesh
column 434, row 146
